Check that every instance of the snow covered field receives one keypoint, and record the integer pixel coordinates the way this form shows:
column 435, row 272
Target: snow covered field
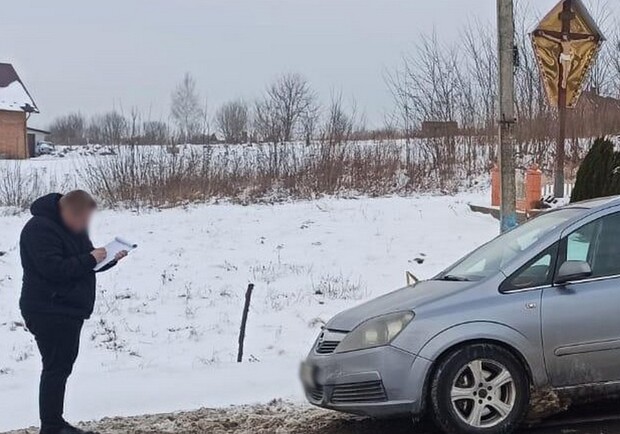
column 164, row 333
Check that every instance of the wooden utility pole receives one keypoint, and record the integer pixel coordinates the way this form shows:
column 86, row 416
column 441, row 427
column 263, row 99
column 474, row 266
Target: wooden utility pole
column 506, row 31
column 560, row 147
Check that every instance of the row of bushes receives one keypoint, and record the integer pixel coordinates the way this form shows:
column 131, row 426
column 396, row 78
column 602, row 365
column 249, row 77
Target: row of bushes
column 153, row 176
column 139, row 176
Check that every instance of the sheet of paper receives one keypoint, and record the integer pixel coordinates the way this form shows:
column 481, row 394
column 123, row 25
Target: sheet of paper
column 117, row 245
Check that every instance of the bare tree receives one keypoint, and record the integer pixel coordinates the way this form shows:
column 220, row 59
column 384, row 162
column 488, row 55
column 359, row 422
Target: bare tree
column 267, row 123
column 206, row 125
column 134, row 126
column 601, row 80
column 289, row 97
column 529, row 98
column 427, row 84
column 186, row 109
column 69, row 130
column 340, row 123
column 481, row 67
column 268, row 128
column 108, row 129
column 309, row 122
column 232, row 121
column 614, row 42
column 279, row 113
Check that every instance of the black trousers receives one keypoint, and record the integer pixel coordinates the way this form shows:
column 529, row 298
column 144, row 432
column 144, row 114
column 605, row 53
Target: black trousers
column 58, row 339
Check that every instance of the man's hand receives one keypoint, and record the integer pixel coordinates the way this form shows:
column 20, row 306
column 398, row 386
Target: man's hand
column 120, row 255
column 99, row 254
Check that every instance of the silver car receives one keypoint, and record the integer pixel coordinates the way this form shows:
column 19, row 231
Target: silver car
column 536, row 309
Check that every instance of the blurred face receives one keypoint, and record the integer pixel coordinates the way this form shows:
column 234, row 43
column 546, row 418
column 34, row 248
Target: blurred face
column 76, row 220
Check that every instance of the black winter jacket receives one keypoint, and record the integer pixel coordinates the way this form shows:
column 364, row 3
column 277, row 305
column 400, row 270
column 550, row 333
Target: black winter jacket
column 58, row 267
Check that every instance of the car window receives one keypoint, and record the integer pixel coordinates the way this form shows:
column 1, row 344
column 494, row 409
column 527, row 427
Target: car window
column 598, row 244
column 537, row 272
column 495, row 255
column 578, row 243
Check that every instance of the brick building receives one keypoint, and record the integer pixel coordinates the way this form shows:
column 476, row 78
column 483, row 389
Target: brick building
column 16, row 106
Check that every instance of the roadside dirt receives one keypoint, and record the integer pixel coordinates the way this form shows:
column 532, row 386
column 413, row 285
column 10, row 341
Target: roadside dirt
column 283, row 418
column 274, row 418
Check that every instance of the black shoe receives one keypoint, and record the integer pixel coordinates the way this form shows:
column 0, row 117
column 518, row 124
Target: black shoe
column 68, row 429
column 54, row 430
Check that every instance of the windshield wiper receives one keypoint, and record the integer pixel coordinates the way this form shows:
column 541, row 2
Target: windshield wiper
column 452, row 278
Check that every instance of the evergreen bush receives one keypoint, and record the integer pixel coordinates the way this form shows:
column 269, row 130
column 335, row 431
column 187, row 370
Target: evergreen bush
column 598, row 175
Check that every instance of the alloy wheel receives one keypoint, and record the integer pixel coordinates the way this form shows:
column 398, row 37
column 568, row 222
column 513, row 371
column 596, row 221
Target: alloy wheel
column 483, row 393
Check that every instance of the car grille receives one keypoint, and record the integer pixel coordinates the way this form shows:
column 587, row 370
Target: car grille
column 371, row 391
column 315, row 393
column 327, row 347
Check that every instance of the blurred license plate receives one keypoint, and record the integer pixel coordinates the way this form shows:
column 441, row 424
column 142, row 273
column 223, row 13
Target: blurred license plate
column 308, row 375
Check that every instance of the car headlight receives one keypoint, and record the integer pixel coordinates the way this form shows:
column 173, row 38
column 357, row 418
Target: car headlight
column 375, row 332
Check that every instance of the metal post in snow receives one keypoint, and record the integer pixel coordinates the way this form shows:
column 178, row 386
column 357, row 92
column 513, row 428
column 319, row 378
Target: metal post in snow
column 244, row 321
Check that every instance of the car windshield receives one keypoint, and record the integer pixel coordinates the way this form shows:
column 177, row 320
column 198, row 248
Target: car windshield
column 493, row 256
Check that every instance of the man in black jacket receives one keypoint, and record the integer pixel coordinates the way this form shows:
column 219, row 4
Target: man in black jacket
column 58, row 292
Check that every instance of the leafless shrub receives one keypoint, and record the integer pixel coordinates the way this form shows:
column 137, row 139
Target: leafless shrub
column 232, row 121
column 339, row 288
column 152, row 176
column 19, row 187
column 106, row 336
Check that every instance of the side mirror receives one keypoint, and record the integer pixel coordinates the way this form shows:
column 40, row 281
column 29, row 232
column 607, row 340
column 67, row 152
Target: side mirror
column 411, row 279
column 571, row 271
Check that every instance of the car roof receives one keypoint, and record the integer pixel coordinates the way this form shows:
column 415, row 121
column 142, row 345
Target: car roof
column 581, row 210
column 596, row 204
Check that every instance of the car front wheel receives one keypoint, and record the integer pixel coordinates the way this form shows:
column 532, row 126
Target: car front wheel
column 479, row 389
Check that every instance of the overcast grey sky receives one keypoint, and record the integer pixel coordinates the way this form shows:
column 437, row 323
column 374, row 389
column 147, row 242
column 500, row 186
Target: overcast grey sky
column 92, row 56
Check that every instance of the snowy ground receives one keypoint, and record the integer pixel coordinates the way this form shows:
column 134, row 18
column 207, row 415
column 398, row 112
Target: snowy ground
column 164, row 334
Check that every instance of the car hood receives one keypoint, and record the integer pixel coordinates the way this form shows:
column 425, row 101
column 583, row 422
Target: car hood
column 408, row 298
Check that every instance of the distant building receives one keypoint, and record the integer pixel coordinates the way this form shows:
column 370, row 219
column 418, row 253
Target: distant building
column 16, row 106
column 34, row 137
column 591, row 100
column 439, row 129
column 595, row 115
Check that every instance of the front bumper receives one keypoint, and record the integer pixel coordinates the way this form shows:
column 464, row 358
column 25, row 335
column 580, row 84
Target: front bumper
column 378, row 382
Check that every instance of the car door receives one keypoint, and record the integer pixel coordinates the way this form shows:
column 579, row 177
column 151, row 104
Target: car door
column 581, row 319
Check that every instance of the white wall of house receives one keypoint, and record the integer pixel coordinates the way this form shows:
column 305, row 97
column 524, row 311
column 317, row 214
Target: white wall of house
column 39, row 136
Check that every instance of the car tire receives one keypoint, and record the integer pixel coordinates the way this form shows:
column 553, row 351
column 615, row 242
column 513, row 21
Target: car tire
column 479, row 389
